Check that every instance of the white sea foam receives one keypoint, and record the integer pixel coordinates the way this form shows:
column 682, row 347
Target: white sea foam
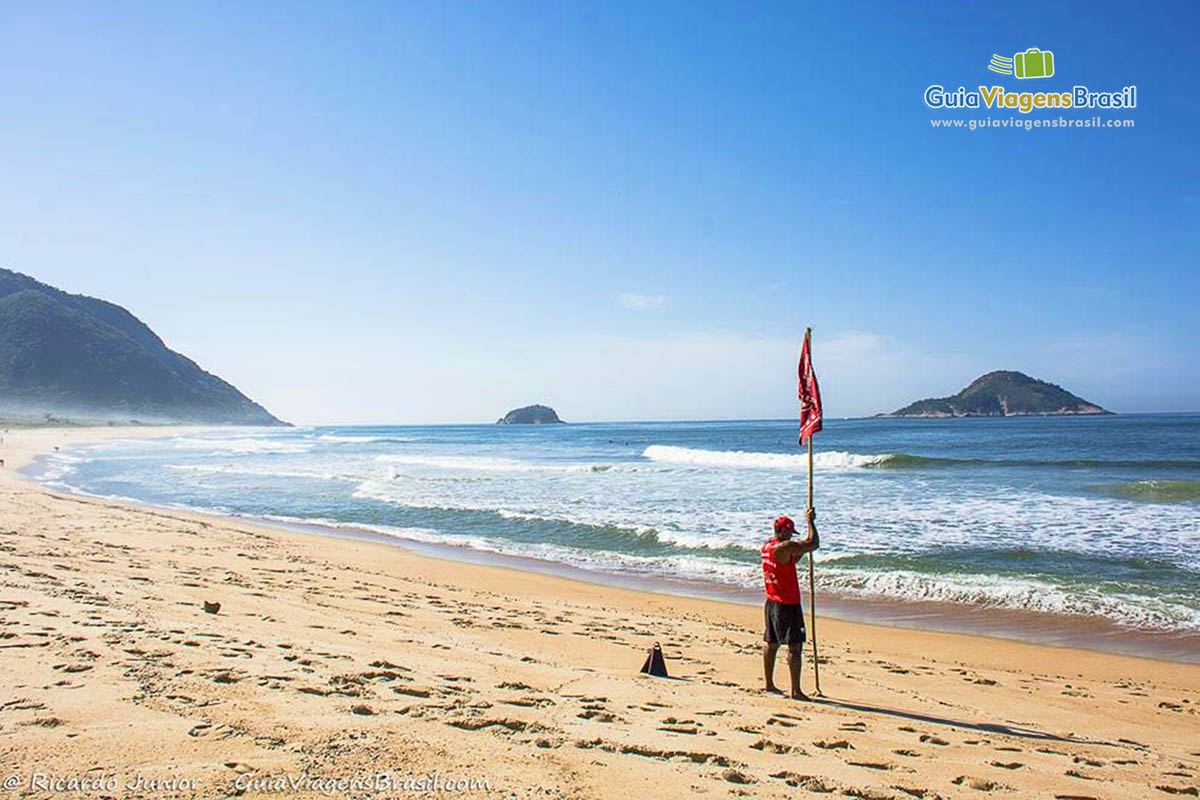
column 489, row 464
column 1026, row 594
column 341, row 439
column 58, row 466
column 889, row 513
column 698, row 527
column 748, row 460
column 416, row 534
column 267, row 472
column 234, row 445
column 682, row 567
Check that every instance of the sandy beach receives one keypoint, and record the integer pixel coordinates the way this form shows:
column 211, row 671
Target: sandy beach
column 344, row 667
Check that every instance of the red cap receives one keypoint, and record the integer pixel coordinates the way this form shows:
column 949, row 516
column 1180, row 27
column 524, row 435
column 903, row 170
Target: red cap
column 784, row 522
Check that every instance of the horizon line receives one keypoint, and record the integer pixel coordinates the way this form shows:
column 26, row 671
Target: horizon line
column 881, row 415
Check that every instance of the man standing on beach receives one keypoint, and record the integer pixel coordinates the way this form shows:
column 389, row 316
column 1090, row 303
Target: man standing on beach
column 783, row 613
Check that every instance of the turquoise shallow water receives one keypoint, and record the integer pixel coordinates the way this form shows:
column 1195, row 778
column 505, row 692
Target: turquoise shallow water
column 1094, row 517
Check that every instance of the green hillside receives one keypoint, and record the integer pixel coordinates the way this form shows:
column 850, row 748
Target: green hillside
column 80, row 358
column 1003, row 393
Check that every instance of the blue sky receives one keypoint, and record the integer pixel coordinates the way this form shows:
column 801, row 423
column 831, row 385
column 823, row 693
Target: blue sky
column 403, row 212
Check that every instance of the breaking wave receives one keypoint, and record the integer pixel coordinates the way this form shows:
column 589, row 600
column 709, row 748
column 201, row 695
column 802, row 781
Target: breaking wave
column 1006, row 592
column 1155, row 491
column 747, row 460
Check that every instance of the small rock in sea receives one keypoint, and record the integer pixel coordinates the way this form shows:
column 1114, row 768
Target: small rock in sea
column 211, row 608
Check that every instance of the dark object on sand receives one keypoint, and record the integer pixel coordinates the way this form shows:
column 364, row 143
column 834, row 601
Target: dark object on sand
column 655, row 664
column 211, row 608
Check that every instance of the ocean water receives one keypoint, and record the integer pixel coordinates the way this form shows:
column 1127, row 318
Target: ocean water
column 1093, row 517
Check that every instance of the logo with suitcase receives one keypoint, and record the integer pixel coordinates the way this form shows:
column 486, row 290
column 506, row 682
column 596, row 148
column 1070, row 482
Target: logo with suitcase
column 1033, row 63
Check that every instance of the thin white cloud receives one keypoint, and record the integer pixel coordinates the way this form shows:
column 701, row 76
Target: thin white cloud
column 642, row 302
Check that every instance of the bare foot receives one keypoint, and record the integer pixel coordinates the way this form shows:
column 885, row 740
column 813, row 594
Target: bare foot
column 772, row 690
column 798, row 695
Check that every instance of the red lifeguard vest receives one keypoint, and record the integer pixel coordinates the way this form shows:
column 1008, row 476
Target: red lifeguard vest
column 781, row 582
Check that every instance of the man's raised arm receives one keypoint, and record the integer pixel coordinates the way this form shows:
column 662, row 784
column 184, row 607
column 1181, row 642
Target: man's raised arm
column 792, row 550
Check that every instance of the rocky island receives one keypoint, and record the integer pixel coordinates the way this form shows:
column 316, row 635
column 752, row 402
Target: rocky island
column 1003, row 393
column 530, row 415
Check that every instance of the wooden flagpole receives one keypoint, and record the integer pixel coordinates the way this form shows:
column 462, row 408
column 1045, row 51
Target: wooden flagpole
column 812, row 591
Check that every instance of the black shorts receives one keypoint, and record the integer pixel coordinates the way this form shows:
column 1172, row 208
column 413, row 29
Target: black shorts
column 784, row 623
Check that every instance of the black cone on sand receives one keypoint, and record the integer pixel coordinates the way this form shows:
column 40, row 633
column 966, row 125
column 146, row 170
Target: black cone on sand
column 655, row 664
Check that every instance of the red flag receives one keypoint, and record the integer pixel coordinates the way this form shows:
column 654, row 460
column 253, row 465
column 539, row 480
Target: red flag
column 810, row 395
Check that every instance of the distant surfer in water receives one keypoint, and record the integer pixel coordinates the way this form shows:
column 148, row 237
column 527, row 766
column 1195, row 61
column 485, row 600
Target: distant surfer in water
column 783, row 613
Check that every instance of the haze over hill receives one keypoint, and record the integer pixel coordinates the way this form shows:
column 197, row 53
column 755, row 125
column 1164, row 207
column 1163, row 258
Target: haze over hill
column 1003, row 393
column 84, row 359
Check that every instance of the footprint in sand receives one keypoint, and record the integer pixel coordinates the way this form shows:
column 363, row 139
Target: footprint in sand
column 735, row 776
column 597, row 715
column 72, row 667
column 22, row 704
column 218, row 731
column 44, row 722
column 840, row 744
column 503, row 726
column 529, row 702
column 809, row 783
column 979, row 784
